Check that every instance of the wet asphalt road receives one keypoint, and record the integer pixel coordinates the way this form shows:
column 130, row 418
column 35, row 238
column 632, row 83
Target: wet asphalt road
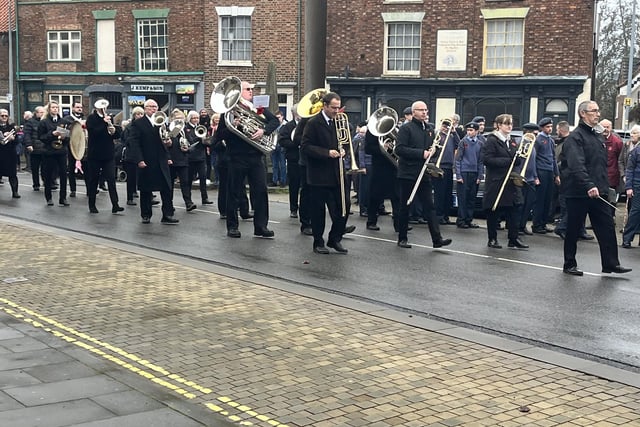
column 522, row 294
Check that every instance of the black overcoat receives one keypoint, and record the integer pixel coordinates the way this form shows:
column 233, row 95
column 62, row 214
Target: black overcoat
column 317, row 139
column 145, row 145
column 497, row 159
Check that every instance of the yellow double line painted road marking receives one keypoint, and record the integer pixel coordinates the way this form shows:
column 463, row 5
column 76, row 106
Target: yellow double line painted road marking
column 149, row 370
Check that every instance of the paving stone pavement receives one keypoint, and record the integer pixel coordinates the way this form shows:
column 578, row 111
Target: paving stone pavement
column 240, row 348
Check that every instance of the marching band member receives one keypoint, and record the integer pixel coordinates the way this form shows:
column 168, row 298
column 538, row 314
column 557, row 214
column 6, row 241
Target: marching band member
column 414, row 147
column 498, row 153
column 56, row 148
column 247, row 161
column 8, row 153
column 292, row 156
column 100, row 159
column 197, row 156
column 179, row 154
column 149, row 151
column 34, row 146
column 323, row 156
column 443, row 185
column 304, row 206
column 76, row 117
column 128, row 163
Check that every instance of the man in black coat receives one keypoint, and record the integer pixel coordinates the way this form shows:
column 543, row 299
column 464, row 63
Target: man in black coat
column 56, row 147
column 247, row 161
column 414, row 147
column 586, row 187
column 8, row 153
column 323, row 155
column 34, row 146
column 100, row 158
column 292, row 155
column 150, row 152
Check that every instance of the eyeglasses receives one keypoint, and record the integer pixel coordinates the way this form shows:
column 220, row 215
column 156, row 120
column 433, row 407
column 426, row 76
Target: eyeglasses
column 595, row 110
column 4, row 115
column 248, row 88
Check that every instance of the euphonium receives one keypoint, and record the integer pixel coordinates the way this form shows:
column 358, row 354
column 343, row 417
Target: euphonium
column 226, row 97
column 159, row 119
column 383, row 123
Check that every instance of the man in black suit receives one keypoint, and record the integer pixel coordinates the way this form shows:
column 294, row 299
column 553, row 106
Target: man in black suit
column 326, row 184
column 150, row 153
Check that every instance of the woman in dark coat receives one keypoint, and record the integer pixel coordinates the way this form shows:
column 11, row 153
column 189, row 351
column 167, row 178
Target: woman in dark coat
column 8, row 152
column 498, row 153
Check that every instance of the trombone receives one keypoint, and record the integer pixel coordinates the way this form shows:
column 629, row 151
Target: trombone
column 344, row 138
column 434, row 170
column 525, row 148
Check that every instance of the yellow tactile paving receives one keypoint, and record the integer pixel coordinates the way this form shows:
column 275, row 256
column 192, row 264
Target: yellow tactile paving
column 265, row 357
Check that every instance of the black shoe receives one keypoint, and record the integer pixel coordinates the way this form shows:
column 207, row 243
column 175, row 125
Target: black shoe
column 207, row 202
column 539, row 230
column 191, row 206
column 15, row 196
column 373, row 227
column 72, row 194
column 63, row 202
column 626, row 245
column 463, row 225
column 572, row 271
column 364, row 214
column 104, row 188
column 265, row 232
column 234, row 232
column 349, row 229
column 517, row 243
column 526, row 231
column 493, row 243
column 561, row 234
column 404, row 244
column 146, row 220
column 442, row 242
column 499, row 227
column 293, row 214
column 246, row 216
column 54, row 187
column 446, row 222
column 384, row 213
column 36, row 188
column 169, row 220
column 93, row 209
column 472, row 225
column 586, row 237
column 320, row 250
column 49, row 202
column 131, row 203
column 618, row 269
column 116, row 209
column 338, row 247
column 155, row 202
column 307, row 231
column 223, row 216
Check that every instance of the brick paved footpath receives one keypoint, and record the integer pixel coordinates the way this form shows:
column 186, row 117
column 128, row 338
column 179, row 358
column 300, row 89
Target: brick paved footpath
column 250, row 350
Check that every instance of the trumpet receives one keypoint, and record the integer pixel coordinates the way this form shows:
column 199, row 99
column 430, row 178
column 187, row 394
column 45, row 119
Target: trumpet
column 383, row 123
column 525, row 147
column 8, row 136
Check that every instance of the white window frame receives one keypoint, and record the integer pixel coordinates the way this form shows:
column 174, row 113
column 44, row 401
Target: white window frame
column 155, row 45
column 231, row 13
column 392, row 19
column 65, row 100
column 56, row 41
column 504, row 35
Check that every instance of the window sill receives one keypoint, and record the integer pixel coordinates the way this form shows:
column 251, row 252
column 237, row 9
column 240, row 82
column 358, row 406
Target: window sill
column 234, row 64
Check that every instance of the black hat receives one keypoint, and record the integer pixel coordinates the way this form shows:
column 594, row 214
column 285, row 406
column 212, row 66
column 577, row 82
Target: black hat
column 478, row 119
column 545, row 121
column 472, row 125
column 530, row 126
column 407, row 111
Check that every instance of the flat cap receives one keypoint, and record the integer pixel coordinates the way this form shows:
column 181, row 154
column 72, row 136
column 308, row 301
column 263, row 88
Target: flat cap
column 407, row 111
column 530, row 126
column 545, row 121
column 472, row 125
column 478, row 119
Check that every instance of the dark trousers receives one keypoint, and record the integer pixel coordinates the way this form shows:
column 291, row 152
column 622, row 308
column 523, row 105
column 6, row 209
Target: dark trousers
column 182, row 173
column 223, row 190
column 544, row 192
column 132, row 184
column 466, row 192
column 304, row 211
column 322, row 198
column 510, row 213
column 250, row 167
column 13, row 182
column 50, row 166
column 633, row 218
column 529, row 192
column 425, row 196
column 71, row 171
column 36, row 163
column 166, row 195
column 200, row 169
column 101, row 169
column 376, row 198
column 293, row 173
column 603, row 227
column 443, row 194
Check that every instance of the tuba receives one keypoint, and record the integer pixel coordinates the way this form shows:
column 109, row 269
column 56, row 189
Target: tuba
column 311, row 103
column 383, row 123
column 226, row 97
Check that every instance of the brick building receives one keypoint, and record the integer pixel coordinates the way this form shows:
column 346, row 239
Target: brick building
column 530, row 58
column 527, row 57
column 7, row 17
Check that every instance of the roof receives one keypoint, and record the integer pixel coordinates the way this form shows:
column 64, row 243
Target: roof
column 4, row 15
